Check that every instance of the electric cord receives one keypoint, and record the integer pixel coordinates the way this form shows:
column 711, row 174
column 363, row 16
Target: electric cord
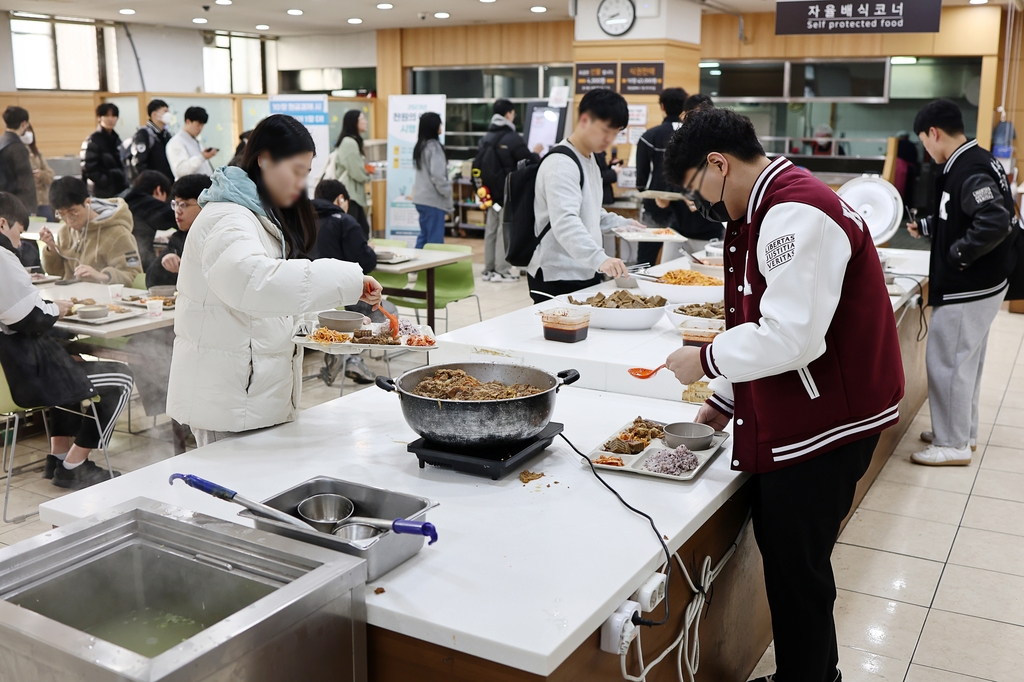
column 922, row 328
column 661, row 538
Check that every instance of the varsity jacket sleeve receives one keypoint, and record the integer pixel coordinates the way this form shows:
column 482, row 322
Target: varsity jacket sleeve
column 803, row 255
column 925, row 225
column 991, row 222
column 22, row 309
column 180, row 160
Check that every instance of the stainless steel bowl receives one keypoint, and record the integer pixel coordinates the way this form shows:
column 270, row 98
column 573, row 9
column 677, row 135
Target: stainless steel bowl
column 356, row 531
column 694, row 436
column 93, row 312
column 163, row 290
column 325, row 511
column 344, row 321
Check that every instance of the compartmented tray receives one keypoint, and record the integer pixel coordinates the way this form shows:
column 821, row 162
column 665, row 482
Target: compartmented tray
column 141, row 303
column 351, row 347
column 633, row 464
column 382, row 552
column 649, row 235
column 110, row 318
column 46, row 279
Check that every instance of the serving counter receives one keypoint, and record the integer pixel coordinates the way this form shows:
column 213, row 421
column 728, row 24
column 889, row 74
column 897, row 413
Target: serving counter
column 523, row 575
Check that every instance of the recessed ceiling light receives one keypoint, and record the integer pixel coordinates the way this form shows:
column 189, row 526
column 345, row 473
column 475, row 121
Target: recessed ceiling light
column 979, row 2
column 538, row 9
column 295, row 12
column 222, row 2
column 355, row 20
column 486, row 0
column 715, row 72
column 385, row 5
column 903, row 60
column 127, row 11
column 262, row 27
column 199, row 20
column 708, row 65
column 441, row 15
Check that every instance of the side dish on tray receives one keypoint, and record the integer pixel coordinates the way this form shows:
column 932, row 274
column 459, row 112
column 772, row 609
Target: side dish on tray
column 708, row 311
column 621, row 299
column 635, row 438
column 455, row 384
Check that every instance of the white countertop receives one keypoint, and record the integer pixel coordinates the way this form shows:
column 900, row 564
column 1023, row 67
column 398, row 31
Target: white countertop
column 100, row 294
column 521, row 575
column 604, row 357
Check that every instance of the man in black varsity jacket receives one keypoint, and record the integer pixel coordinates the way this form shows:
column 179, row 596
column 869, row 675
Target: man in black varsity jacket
column 973, row 229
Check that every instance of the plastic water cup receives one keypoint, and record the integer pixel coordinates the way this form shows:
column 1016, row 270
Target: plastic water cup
column 116, row 292
column 155, row 308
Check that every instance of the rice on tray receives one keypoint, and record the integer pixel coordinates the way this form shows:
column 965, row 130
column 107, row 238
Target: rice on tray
column 671, row 462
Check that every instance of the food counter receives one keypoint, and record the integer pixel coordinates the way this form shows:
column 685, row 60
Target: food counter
column 523, row 575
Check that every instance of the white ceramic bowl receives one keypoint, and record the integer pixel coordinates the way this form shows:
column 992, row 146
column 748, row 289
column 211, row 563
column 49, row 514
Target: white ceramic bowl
column 678, row 319
column 675, row 293
column 623, row 319
column 710, row 270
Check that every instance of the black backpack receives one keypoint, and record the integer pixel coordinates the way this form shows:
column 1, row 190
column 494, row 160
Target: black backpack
column 518, row 218
column 487, row 166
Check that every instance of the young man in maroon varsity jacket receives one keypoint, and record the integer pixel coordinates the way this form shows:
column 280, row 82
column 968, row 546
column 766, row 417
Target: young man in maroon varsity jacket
column 809, row 366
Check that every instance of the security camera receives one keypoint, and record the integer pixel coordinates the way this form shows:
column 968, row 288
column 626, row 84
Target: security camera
column 422, row 16
column 206, row 8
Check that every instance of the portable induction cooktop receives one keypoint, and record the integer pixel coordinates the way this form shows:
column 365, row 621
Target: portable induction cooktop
column 492, row 462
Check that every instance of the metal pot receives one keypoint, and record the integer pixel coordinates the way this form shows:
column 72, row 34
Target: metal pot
column 462, row 424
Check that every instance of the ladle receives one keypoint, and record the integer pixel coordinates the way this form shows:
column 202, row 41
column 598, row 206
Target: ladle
column 643, row 373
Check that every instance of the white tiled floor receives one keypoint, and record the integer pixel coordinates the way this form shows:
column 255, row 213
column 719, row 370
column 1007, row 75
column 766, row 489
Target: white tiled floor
column 930, row 570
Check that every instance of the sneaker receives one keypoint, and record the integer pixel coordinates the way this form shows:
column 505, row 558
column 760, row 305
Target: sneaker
column 937, row 456
column 357, row 371
column 51, row 465
column 81, row 476
column 486, row 275
column 928, row 437
column 504, row 277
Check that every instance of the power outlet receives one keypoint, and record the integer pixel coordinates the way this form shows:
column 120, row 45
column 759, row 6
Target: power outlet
column 618, row 631
column 651, row 593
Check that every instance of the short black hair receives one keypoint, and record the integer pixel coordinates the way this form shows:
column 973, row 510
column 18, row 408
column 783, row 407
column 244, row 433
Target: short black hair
column 106, row 109
column 197, row 114
column 149, row 181
column 943, row 114
column 329, row 190
column 673, row 100
column 14, row 117
column 503, row 106
column 707, row 130
column 605, row 105
column 155, row 104
column 190, row 186
column 12, row 210
column 66, row 192
column 697, row 100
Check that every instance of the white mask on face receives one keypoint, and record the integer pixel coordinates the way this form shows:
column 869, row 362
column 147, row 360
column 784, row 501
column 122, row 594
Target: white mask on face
column 28, row 137
column 165, row 118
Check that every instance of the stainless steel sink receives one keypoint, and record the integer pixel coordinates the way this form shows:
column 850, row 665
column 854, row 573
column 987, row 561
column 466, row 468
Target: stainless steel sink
column 147, row 591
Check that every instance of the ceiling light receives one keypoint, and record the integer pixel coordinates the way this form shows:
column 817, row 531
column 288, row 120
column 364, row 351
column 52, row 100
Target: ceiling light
column 441, row 15
column 903, row 60
column 222, row 2
column 715, row 72
column 979, row 2
column 486, row 0
column 708, row 65
column 355, row 20
column 295, row 12
column 199, row 20
column 538, row 9
column 127, row 11
column 262, row 27
column 385, row 5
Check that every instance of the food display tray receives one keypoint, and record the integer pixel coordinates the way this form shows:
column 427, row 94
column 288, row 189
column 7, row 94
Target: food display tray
column 109, row 319
column 140, row 304
column 351, row 348
column 633, row 464
column 648, row 235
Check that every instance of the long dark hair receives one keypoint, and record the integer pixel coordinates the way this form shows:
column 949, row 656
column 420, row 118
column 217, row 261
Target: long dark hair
column 350, row 128
column 430, row 124
column 32, row 147
column 283, row 136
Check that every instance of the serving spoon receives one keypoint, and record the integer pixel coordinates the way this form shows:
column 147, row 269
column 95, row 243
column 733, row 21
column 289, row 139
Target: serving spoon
column 643, row 373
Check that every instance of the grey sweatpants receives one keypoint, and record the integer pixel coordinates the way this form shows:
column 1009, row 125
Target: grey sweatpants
column 494, row 244
column 957, row 337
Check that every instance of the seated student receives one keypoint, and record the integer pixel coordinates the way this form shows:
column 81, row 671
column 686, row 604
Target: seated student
column 571, row 255
column 149, row 201
column 339, row 235
column 95, row 243
column 185, row 203
column 27, row 249
column 41, row 373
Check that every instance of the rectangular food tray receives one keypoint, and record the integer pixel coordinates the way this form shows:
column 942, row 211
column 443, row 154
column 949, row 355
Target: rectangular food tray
column 109, row 319
column 140, row 304
column 633, row 464
column 383, row 552
column 352, row 348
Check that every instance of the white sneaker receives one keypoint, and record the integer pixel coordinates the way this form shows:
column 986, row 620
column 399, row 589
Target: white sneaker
column 928, row 437
column 504, row 277
column 486, row 275
column 938, row 456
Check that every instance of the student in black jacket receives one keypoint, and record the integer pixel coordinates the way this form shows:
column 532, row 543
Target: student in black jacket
column 101, row 162
column 12, row 225
column 149, row 146
column 149, row 201
column 973, row 231
column 185, row 204
column 15, row 166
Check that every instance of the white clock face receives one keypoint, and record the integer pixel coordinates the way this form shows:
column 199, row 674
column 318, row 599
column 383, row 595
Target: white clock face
column 616, row 16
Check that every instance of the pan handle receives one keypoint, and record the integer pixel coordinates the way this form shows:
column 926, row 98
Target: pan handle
column 385, row 383
column 208, row 487
column 568, row 376
column 415, row 528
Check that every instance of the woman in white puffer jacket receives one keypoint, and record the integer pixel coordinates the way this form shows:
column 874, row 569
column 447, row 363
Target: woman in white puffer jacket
column 244, row 280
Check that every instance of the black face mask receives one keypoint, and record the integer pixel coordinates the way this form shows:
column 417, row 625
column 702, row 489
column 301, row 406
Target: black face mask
column 716, row 212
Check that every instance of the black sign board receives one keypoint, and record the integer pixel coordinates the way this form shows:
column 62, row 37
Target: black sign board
column 592, row 76
column 816, row 17
column 642, row 78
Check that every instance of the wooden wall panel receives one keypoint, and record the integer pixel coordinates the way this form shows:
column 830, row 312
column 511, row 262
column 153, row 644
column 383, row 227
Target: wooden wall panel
column 759, row 30
column 969, row 31
column 520, row 43
column 450, row 46
column 484, row 43
column 554, row 42
column 989, row 87
column 719, row 36
column 390, row 75
column 417, row 47
column 681, row 69
column 480, row 45
column 910, row 44
column 61, row 120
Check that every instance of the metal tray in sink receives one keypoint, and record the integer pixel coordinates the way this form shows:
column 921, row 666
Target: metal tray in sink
column 381, row 553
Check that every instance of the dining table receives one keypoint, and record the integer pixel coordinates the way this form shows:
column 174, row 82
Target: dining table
column 418, row 260
column 100, row 293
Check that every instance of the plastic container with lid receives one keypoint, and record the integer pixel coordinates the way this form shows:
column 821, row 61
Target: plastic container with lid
column 565, row 325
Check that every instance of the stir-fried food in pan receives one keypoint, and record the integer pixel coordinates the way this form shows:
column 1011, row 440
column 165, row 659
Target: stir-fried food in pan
column 455, row 384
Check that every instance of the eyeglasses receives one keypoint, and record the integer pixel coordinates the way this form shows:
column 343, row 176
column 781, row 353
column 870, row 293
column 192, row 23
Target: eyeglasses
column 74, row 212
column 182, row 205
column 693, row 194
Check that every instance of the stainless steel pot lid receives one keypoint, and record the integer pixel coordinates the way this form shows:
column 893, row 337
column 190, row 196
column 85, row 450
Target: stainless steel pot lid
column 878, row 202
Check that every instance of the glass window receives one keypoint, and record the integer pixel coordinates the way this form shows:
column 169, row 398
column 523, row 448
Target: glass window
column 216, row 70
column 744, row 80
column 555, row 76
column 834, row 79
column 930, row 78
column 246, row 66
column 490, row 83
column 77, row 57
column 34, row 64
